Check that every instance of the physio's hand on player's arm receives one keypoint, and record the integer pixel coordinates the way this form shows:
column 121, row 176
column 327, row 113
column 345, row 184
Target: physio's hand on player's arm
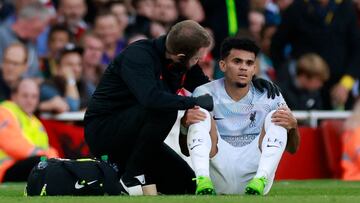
column 192, row 116
column 284, row 117
column 205, row 101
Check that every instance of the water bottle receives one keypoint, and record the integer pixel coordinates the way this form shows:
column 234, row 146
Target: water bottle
column 43, row 163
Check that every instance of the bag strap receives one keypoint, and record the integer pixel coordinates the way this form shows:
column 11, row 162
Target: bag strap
column 108, row 177
column 68, row 165
column 111, row 180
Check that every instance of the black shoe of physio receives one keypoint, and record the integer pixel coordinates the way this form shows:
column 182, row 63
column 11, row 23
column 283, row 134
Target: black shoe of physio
column 133, row 186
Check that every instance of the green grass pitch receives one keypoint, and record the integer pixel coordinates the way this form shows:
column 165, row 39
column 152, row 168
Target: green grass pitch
column 316, row 191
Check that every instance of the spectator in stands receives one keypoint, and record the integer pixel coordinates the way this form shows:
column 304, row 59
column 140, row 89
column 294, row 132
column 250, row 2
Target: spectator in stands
column 118, row 8
column 67, row 90
column 59, row 36
column 191, row 10
column 30, row 23
column 108, row 29
column 16, row 6
column 22, row 136
column 141, row 23
column 304, row 91
column 14, row 65
column 256, row 23
column 41, row 41
column 93, row 50
column 72, row 13
column 350, row 161
column 264, row 65
column 144, row 8
column 166, row 13
column 328, row 28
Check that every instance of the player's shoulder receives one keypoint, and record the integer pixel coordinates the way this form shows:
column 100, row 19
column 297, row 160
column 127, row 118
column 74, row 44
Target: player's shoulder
column 208, row 88
column 262, row 96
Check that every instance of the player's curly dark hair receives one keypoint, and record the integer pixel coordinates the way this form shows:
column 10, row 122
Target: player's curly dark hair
column 237, row 43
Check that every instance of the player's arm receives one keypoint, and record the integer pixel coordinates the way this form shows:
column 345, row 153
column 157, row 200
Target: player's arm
column 284, row 117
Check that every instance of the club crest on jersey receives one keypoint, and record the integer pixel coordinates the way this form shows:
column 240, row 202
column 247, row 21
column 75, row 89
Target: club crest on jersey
column 252, row 119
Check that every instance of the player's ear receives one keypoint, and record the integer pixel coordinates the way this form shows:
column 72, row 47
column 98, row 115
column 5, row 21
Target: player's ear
column 222, row 65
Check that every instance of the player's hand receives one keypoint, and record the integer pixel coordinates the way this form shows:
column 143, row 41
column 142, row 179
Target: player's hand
column 262, row 84
column 192, row 116
column 284, row 117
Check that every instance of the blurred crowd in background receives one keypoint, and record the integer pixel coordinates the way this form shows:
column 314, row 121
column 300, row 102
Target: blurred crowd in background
column 310, row 48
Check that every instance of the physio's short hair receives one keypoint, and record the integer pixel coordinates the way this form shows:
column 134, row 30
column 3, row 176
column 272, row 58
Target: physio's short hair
column 237, row 43
column 312, row 65
column 187, row 37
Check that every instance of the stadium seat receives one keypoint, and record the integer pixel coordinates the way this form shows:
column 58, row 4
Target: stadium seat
column 67, row 139
column 331, row 131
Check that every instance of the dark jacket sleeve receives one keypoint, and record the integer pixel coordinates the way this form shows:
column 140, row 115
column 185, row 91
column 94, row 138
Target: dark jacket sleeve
column 138, row 72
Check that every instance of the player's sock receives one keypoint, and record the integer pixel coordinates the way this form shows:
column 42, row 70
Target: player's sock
column 199, row 145
column 273, row 146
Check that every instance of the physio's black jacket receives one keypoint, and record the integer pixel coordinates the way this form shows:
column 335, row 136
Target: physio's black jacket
column 142, row 75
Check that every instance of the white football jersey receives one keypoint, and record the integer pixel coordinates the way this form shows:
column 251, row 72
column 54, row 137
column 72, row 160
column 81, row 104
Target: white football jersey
column 239, row 122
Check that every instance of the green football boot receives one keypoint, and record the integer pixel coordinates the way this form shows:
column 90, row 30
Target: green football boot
column 204, row 186
column 256, row 186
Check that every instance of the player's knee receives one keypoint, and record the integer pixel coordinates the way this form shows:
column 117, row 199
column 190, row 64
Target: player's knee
column 203, row 125
column 268, row 119
column 206, row 112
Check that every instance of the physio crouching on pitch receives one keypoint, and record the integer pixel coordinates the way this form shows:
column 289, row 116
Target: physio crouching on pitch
column 135, row 106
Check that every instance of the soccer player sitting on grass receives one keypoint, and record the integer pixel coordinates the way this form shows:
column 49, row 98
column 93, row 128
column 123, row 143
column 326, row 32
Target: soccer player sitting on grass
column 245, row 134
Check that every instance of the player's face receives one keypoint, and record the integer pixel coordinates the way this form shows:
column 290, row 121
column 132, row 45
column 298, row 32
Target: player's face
column 239, row 67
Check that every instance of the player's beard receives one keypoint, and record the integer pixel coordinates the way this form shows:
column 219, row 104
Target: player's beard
column 240, row 85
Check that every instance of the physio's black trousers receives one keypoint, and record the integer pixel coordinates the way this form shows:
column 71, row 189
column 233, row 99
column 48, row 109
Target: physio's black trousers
column 134, row 139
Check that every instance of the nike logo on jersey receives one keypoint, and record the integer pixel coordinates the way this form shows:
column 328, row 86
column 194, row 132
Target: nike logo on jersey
column 272, row 146
column 217, row 118
column 79, row 186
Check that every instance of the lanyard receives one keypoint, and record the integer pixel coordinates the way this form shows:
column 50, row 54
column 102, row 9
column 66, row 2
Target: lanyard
column 232, row 18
